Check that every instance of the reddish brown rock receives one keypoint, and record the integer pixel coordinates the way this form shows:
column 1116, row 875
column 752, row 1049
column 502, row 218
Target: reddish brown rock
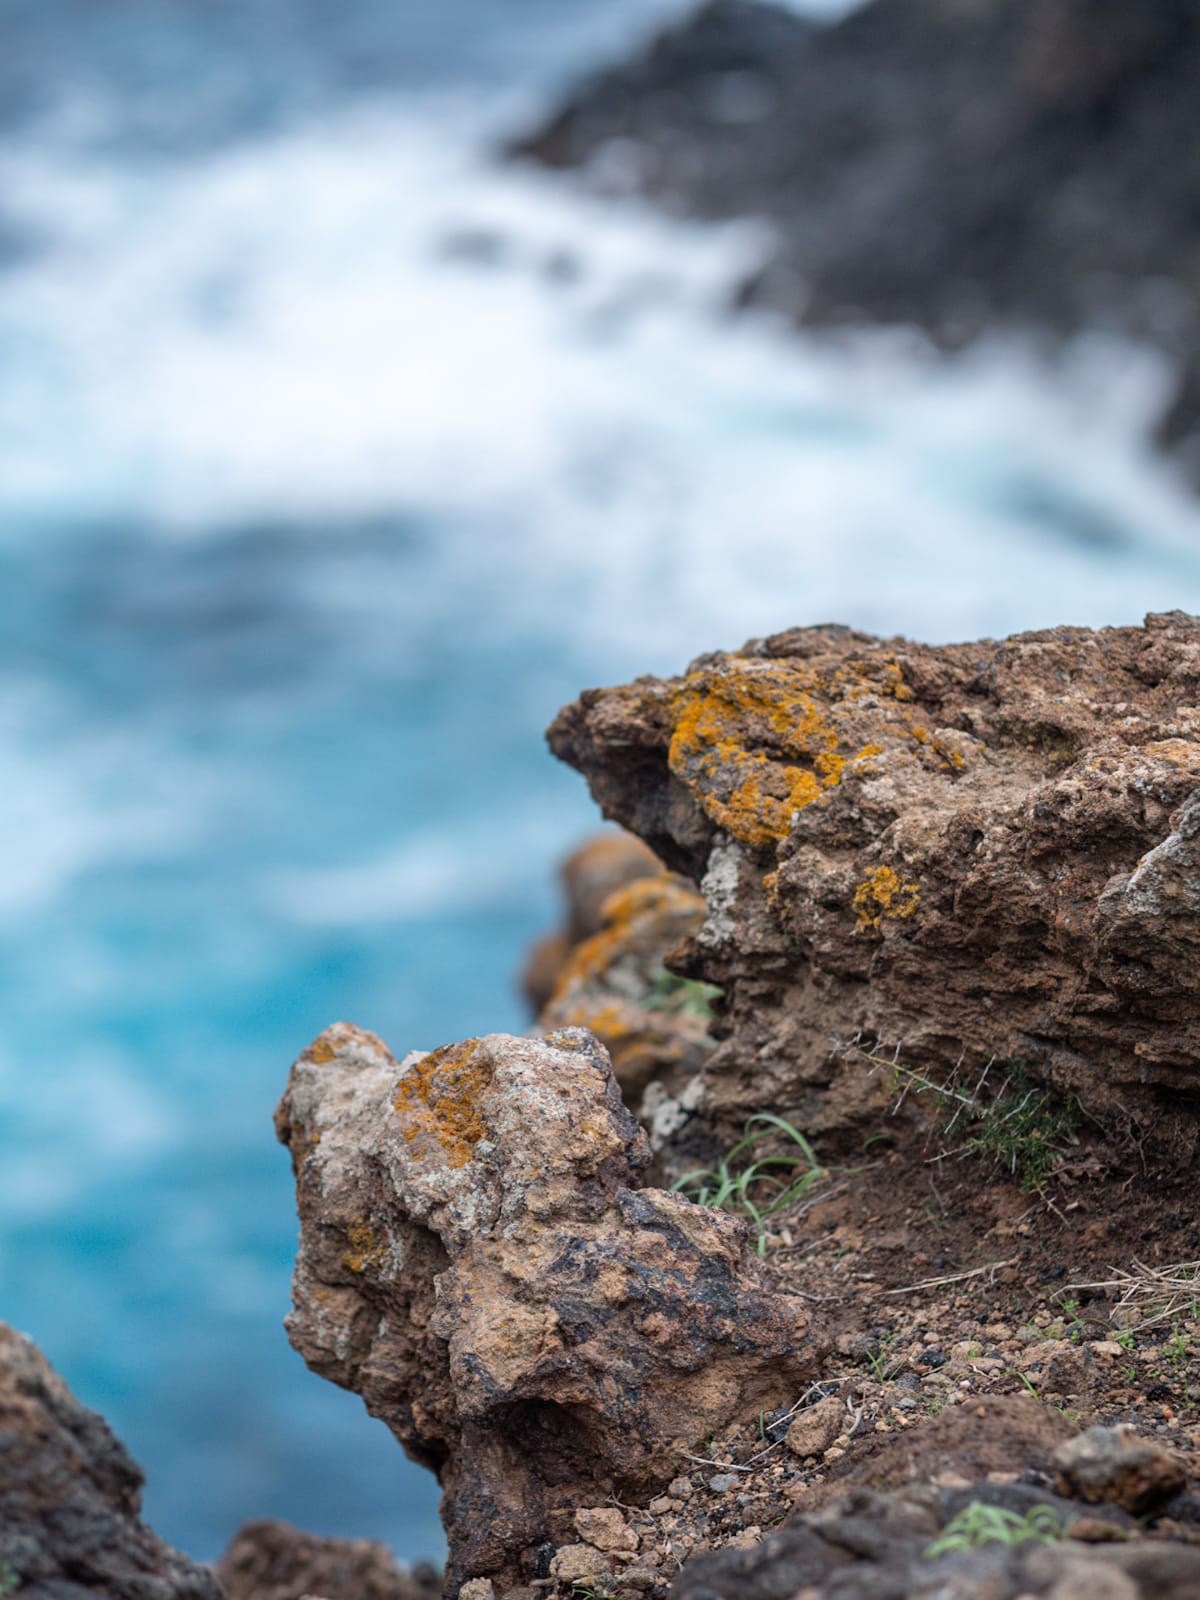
column 479, row 1262
column 270, row 1560
column 972, row 853
column 70, row 1498
column 589, row 875
column 653, row 1024
column 1115, row 1466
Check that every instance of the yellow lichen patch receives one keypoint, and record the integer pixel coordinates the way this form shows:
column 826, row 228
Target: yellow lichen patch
column 757, row 742
column 440, row 1095
column 953, row 760
column 365, row 1249
column 884, row 896
column 893, row 681
column 653, row 904
column 323, row 1049
column 754, row 747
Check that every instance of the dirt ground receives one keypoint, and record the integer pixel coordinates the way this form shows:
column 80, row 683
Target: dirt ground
column 972, row 1327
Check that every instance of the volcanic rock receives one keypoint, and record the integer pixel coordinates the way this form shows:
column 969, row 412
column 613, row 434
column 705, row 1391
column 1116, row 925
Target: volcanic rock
column 479, row 1262
column 901, row 1546
column 653, row 1025
column 588, row 877
column 1113, row 1465
column 930, row 859
column 949, row 165
column 269, row 1560
column 70, row 1498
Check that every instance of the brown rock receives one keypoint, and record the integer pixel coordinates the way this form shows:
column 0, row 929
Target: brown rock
column 70, row 1497
column 653, row 1025
column 1067, row 1372
column 577, row 1563
column 478, row 1261
column 606, row 1528
column 589, row 875
column 1113, row 1465
column 815, row 1429
column 971, row 852
column 270, row 1560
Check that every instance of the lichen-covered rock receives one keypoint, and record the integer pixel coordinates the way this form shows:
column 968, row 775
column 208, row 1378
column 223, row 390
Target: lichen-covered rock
column 269, row 1560
column 479, row 1262
column 653, row 1024
column 70, row 1498
column 589, row 876
column 972, row 853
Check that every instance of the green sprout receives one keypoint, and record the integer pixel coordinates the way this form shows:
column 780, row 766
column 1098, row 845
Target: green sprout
column 979, row 1524
column 756, row 1186
column 686, row 996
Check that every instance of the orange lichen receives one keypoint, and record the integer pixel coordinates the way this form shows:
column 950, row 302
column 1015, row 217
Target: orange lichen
column 751, row 792
column 884, row 896
column 322, row 1050
column 641, row 909
column 440, row 1095
column 953, row 760
column 756, row 744
column 365, row 1249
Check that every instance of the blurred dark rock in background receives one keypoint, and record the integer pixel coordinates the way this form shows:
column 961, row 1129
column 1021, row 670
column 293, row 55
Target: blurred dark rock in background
column 956, row 164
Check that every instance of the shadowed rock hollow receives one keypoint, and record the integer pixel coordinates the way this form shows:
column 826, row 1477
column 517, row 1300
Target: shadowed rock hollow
column 479, row 1261
column 972, row 853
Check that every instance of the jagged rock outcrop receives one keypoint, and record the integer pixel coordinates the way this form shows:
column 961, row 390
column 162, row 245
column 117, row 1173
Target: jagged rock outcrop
column 270, row 1560
column 588, row 877
column 949, row 165
column 70, row 1497
column 479, row 1262
column 973, row 853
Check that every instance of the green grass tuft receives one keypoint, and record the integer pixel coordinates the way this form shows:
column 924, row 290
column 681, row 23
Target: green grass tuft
column 755, row 1186
column 979, row 1524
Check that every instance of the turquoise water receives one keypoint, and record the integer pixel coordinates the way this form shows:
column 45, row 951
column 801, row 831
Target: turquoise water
column 333, row 459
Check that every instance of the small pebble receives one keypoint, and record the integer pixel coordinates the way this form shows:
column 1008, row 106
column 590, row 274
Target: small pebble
column 721, row 1483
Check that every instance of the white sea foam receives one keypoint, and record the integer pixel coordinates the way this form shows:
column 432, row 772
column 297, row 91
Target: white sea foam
column 368, row 315
column 75, row 797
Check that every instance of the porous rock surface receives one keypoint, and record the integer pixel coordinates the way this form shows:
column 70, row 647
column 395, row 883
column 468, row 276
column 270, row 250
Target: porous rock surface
column 270, row 1560
column 70, row 1497
column 479, row 1262
column 950, row 165
column 967, row 854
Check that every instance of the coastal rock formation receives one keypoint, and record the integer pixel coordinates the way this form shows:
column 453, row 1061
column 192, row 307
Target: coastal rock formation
column 269, row 1560
column 479, row 1261
column 953, row 166
column 589, row 875
column 70, row 1497
column 653, row 1024
column 953, row 857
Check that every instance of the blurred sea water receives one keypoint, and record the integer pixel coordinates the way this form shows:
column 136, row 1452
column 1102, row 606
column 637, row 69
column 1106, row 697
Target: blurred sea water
column 334, row 457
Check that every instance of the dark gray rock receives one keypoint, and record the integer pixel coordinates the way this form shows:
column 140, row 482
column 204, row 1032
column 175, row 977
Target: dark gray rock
column 951, row 165
column 70, row 1497
column 874, row 1546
